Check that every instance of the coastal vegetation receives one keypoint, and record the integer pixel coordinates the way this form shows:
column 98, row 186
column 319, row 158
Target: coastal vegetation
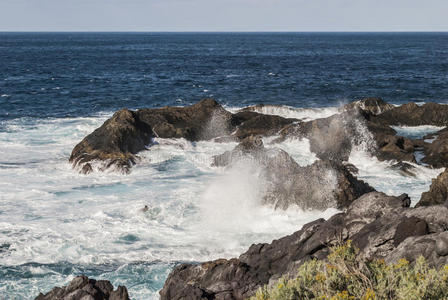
column 345, row 275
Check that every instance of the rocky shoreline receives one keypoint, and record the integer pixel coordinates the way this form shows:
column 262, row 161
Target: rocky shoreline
column 381, row 226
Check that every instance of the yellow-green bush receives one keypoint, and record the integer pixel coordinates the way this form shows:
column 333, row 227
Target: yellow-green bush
column 345, row 276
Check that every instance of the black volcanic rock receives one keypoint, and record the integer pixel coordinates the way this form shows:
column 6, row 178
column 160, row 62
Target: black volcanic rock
column 365, row 121
column 120, row 138
column 262, row 125
column 438, row 191
column 373, row 106
column 436, row 153
column 320, row 185
column 83, row 288
column 411, row 114
column 380, row 226
column 204, row 120
column 116, row 142
column 330, row 138
column 125, row 134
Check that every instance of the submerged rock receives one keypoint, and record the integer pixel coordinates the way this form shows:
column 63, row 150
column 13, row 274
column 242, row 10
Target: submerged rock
column 83, row 288
column 380, row 226
column 404, row 168
column 320, row 185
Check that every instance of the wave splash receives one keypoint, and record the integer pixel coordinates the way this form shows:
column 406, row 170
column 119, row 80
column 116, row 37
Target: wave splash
column 195, row 212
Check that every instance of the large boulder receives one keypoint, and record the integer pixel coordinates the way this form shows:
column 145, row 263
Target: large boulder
column 83, row 288
column 320, row 185
column 380, row 226
column 438, row 191
column 116, row 142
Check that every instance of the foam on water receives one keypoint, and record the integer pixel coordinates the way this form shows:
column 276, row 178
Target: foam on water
column 383, row 178
column 56, row 223
column 305, row 114
column 416, row 132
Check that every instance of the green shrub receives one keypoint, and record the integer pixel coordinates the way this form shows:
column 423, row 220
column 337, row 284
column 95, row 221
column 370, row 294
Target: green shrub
column 346, row 276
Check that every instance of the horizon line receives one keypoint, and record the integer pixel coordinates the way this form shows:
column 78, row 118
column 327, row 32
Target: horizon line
column 223, row 31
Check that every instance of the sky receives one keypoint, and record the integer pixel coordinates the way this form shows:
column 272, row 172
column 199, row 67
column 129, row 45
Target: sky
column 223, row 15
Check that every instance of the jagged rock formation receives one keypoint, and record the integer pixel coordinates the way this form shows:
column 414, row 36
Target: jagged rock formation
column 120, row 138
column 411, row 114
column 438, row 192
column 379, row 225
column 367, row 121
column 436, row 153
column 83, row 288
column 321, row 185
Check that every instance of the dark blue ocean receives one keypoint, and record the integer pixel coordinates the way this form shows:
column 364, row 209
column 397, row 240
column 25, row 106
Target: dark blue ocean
column 77, row 74
column 55, row 88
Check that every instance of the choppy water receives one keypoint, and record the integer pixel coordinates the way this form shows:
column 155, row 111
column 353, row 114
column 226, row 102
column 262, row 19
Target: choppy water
column 57, row 88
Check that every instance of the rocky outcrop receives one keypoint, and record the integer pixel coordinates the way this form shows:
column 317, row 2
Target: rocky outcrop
column 83, row 288
column 365, row 121
column 438, row 191
column 116, row 142
column 262, row 125
column 411, row 114
column 372, row 106
column 320, row 185
column 380, row 226
column 119, row 139
column 204, row 120
column 436, row 152
column 330, row 138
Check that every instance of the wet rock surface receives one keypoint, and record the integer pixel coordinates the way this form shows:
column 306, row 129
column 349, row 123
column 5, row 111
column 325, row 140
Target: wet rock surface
column 438, row 191
column 364, row 122
column 373, row 106
column 436, row 152
column 127, row 132
column 115, row 142
column 83, row 288
column 380, row 226
column 320, row 185
column 411, row 114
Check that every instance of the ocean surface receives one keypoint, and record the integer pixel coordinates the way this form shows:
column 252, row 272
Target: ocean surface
column 55, row 88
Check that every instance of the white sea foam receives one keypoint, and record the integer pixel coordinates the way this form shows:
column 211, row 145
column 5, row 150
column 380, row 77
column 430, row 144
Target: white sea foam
column 416, row 132
column 383, row 178
column 50, row 214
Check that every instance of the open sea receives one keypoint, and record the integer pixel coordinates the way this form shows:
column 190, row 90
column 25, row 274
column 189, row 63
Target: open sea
column 55, row 88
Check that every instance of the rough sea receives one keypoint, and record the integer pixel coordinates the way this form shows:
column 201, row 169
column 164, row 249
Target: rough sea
column 55, row 88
